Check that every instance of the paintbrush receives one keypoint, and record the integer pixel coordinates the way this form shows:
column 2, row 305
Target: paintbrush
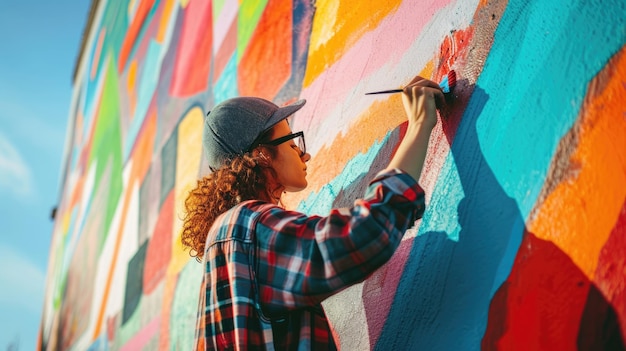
column 447, row 84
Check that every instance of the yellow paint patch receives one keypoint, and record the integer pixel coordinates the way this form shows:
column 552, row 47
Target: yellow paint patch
column 165, row 20
column 187, row 165
column 131, row 81
column 337, row 25
column 580, row 213
column 132, row 7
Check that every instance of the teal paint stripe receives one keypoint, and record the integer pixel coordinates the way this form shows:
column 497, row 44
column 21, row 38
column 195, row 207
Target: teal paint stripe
column 545, row 54
column 226, row 86
column 527, row 97
column 441, row 214
column 91, row 92
column 146, row 87
column 321, row 203
column 536, row 90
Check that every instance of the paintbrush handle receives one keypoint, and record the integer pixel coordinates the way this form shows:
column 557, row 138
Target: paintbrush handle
column 448, row 82
column 385, row 92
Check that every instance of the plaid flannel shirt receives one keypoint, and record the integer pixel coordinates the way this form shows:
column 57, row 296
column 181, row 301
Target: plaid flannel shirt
column 267, row 269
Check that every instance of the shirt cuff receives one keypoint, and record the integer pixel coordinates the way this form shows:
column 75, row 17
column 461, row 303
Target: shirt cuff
column 400, row 182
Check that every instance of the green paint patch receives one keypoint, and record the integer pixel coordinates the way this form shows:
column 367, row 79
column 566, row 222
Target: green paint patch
column 250, row 12
column 217, row 9
column 106, row 149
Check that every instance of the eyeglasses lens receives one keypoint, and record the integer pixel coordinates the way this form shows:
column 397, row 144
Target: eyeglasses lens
column 301, row 144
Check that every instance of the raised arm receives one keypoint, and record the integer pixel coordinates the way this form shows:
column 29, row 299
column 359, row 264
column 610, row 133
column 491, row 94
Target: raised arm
column 420, row 99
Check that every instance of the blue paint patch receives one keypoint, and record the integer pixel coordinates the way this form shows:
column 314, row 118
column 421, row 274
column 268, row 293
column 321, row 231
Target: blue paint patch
column 90, row 95
column 504, row 269
column 441, row 214
column 321, row 203
column 226, row 87
column 538, row 84
column 526, row 99
column 101, row 343
column 145, row 92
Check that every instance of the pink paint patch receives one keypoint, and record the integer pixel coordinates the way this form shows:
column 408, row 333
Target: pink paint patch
column 159, row 250
column 379, row 290
column 387, row 44
column 144, row 336
column 225, row 20
column 149, row 35
column 265, row 65
column 226, row 51
column 193, row 57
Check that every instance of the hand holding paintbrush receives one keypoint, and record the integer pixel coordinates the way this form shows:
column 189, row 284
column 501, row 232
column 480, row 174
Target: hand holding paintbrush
column 420, row 98
column 447, row 84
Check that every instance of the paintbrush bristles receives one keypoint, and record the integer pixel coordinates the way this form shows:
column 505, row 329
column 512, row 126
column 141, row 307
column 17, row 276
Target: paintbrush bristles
column 451, row 79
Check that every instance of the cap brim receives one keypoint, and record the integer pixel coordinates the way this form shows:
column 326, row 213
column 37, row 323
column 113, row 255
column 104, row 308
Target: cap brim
column 284, row 112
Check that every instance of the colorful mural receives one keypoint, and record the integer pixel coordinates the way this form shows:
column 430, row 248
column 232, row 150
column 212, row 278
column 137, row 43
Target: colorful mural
column 523, row 242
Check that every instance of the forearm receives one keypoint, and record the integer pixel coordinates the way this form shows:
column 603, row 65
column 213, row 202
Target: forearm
column 314, row 257
column 412, row 150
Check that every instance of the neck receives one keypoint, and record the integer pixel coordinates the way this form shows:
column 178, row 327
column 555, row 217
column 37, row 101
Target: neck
column 276, row 195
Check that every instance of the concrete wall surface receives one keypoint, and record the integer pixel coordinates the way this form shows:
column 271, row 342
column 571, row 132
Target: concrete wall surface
column 523, row 242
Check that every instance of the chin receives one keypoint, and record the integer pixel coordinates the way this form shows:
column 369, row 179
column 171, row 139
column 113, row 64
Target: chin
column 295, row 189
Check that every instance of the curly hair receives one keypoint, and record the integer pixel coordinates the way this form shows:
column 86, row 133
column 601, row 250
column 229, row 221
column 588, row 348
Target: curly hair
column 238, row 180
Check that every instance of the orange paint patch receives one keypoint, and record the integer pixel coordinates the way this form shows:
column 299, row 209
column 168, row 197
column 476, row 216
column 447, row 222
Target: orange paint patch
column 132, row 95
column 133, row 32
column 266, row 64
column 142, row 152
column 337, row 26
column 169, row 292
column 164, row 21
column 225, row 51
column 329, row 162
column 580, row 213
column 453, row 48
column 77, row 192
column 369, row 128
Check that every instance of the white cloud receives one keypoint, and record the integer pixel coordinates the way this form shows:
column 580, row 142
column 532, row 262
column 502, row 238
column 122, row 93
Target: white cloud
column 15, row 174
column 21, row 280
column 28, row 122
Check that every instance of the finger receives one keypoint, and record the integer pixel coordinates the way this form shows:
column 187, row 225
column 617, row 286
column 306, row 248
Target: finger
column 440, row 99
column 427, row 83
column 415, row 80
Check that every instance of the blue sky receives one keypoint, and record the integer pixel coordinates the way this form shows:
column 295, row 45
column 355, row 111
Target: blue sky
column 39, row 43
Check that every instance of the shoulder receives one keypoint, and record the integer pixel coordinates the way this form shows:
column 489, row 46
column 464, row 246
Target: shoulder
column 237, row 222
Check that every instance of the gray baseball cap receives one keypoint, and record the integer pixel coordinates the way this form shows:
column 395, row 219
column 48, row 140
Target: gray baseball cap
column 233, row 125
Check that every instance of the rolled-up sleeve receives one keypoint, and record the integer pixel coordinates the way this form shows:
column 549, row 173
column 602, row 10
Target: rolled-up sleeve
column 301, row 260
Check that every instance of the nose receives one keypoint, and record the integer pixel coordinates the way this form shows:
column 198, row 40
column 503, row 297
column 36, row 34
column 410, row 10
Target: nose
column 306, row 157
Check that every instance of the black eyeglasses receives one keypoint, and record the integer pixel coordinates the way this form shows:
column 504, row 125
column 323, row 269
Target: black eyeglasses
column 299, row 142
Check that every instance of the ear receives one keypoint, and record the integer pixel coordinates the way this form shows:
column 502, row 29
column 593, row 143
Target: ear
column 261, row 157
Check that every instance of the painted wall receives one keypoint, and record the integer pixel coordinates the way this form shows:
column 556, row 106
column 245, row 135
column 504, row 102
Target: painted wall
column 522, row 245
